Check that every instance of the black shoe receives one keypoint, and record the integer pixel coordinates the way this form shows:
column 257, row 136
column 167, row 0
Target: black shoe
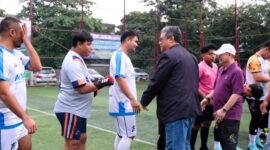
column 204, row 148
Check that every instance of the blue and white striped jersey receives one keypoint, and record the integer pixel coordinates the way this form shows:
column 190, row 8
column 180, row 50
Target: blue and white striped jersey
column 121, row 66
column 12, row 67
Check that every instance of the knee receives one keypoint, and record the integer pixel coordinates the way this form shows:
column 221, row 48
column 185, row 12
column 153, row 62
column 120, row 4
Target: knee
column 206, row 124
column 25, row 143
column 72, row 144
column 25, row 147
column 196, row 126
column 83, row 138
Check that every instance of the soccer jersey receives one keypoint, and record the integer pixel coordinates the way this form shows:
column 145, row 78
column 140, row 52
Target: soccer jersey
column 121, row 66
column 74, row 74
column 12, row 67
column 207, row 77
column 257, row 64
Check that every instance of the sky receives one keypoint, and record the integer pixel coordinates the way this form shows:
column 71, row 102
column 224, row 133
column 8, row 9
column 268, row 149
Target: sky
column 110, row 11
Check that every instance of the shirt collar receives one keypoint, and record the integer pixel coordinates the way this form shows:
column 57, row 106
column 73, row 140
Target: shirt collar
column 233, row 65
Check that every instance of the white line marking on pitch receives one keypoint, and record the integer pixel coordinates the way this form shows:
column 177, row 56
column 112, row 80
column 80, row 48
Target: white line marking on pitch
column 92, row 126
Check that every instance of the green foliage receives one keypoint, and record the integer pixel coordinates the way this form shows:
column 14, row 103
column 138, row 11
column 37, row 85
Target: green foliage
column 53, row 22
column 219, row 23
column 2, row 12
column 144, row 24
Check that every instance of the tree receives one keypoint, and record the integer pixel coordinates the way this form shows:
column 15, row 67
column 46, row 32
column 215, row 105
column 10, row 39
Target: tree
column 53, row 25
column 144, row 24
column 218, row 23
column 2, row 12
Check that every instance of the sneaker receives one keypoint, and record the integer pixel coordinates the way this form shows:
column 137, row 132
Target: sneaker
column 259, row 143
column 238, row 148
column 204, row 148
column 252, row 147
column 218, row 148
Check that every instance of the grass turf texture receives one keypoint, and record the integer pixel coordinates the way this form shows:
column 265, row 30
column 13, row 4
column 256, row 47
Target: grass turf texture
column 41, row 101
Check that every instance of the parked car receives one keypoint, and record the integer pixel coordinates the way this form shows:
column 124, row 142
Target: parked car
column 46, row 75
column 94, row 75
column 140, row 74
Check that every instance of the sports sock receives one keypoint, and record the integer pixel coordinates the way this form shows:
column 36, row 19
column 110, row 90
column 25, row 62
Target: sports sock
column 116, row 142
column 252, row 139
column 204, row 137
column 216, row 144
column 194, row 133
column 124, row 143
column 259, row 132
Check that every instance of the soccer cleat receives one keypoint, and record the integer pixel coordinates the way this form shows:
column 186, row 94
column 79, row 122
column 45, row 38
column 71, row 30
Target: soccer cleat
column 252, row 147
column 259, row 143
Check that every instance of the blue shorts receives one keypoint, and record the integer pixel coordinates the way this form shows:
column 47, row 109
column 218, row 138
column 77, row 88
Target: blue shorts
column 72, row 126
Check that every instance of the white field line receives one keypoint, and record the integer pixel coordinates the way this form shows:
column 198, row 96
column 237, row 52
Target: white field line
column 91, row 126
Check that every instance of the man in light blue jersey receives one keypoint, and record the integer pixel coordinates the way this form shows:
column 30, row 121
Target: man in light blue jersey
column 123, row 104
column 15, row 125
column 73, row 105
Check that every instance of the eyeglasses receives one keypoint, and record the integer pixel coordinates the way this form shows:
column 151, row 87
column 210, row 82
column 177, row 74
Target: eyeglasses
column 162, row 38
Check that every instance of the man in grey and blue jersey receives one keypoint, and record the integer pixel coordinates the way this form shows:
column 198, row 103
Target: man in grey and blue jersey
column 74, row 101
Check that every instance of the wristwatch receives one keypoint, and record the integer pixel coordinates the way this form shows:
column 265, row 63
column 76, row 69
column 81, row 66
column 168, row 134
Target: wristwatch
column 224, row 110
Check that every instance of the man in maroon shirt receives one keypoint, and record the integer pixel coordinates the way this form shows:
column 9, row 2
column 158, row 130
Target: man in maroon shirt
column 227, row 99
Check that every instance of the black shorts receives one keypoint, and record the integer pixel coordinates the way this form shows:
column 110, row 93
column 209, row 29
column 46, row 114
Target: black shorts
column 227, row 130
column 207, row 114
column 72, row 126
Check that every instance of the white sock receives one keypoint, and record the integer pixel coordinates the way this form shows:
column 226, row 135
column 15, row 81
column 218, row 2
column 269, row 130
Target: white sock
column 252, row 139
column 116, row 141
column 216, row 144
column 124, row 143
column 259, row 132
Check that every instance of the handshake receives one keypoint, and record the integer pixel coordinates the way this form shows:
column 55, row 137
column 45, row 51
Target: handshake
column 106, row 81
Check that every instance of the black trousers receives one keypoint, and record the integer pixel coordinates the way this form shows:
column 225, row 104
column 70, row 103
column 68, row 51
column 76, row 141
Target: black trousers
column 161, row 143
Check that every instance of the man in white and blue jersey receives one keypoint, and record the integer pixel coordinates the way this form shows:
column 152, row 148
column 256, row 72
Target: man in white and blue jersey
column 73, row 105
column 15, row 125
column 123, row 105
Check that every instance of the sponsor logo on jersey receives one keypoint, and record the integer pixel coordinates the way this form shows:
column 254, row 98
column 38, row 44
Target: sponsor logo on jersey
column 19, row 77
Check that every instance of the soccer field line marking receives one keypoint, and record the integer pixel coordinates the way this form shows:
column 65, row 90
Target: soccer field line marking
column 38, row 116
column 89, row 125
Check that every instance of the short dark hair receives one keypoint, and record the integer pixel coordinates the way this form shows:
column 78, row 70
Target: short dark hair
column 128, row 33
column 173, row 31
column 256, row 90
column 266, row 45
column 7, row 23
column 81, row 36
column 207, row 48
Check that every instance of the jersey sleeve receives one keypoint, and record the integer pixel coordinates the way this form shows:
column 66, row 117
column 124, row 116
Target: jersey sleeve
column 25, row 59
column 120, row 68
column 3, row 67
column 201, row 71
column 254, row 64
column 75, row 73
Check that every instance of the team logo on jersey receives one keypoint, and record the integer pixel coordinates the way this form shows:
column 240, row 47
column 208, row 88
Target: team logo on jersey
column 13, row 146
column 15, row 65
column 133, row 128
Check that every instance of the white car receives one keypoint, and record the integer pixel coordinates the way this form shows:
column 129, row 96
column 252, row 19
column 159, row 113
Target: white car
column 140, row 74
column 94, row 75
column 47, row 75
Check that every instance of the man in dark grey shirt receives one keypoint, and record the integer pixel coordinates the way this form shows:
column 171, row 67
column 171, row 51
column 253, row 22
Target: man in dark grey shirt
column 175, row 84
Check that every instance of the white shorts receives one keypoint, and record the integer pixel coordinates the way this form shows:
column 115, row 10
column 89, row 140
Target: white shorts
column 10, row 137
column 125, row 125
